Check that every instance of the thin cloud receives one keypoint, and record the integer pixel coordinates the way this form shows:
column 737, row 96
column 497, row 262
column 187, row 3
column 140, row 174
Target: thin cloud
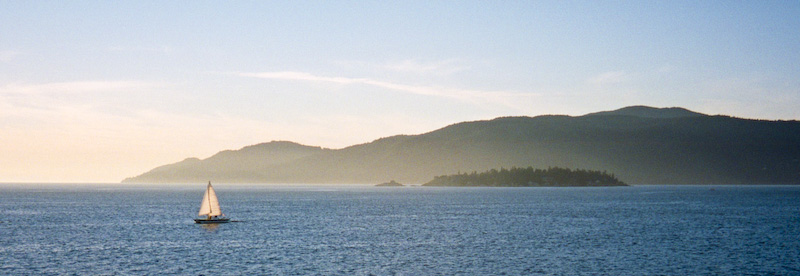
column 445, row 67
column 300, row 76
column 164, row 49
column 611, row 77
column 410, row 66
column 507, row 98
column 6, row 56
column 74, row 87
column 55, row 101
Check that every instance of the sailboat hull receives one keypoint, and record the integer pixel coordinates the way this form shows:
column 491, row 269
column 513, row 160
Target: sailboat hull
column 208, row 221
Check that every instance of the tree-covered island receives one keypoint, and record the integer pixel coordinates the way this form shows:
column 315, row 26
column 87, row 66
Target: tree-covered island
column 529, row 177
column 390, row 184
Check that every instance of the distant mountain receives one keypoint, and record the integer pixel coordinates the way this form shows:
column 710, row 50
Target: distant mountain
column 649, row 112
column 639, row 145
column 243, row 165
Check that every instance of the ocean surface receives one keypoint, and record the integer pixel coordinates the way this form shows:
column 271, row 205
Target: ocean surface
column 116, row 229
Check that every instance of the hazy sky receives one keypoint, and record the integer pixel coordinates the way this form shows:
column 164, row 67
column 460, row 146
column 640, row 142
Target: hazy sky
column 100, row 91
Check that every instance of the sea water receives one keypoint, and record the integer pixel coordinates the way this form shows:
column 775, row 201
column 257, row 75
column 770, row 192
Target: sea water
column 115, row 229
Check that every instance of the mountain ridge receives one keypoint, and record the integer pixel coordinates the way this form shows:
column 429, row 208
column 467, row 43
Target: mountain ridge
column 641, row 145
column 650, row 112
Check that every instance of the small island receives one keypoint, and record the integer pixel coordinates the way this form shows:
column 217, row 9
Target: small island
column 528, row 177
column 390, row 184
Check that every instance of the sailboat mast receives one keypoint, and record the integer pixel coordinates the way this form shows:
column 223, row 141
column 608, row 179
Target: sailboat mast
column 208, row 192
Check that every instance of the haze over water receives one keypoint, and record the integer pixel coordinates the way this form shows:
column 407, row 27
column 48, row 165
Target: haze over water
column 95, row 91
column 361, row 230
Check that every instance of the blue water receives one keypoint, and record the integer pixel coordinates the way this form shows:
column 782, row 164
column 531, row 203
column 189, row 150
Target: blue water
column 356, row 230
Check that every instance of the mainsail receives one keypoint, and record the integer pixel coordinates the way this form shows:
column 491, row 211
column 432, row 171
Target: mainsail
column 209, row 206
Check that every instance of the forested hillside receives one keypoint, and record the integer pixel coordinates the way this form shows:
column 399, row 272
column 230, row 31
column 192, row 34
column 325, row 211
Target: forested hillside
column 639, row 145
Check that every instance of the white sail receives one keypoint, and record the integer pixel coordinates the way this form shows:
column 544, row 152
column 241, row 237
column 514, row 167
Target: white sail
column 209, row 206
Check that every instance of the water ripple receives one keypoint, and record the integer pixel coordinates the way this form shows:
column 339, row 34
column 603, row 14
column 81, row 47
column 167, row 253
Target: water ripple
column 659, row 230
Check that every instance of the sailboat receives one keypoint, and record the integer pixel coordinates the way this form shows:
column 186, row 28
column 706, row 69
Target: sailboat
column 209, row 207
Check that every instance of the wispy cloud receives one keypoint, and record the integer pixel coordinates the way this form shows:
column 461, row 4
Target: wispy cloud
column 410, row 66
column 52, row 102
column 6, row 56
column 300, row 76
column 508, row 98
column 445, row 67
column 163, row 49
column 73, row 87
column 611, row 77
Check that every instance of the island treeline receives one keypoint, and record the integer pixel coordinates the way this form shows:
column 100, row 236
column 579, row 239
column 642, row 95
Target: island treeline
column 528, row 177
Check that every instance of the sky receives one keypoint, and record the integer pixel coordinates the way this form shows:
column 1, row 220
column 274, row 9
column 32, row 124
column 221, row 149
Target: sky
column 96, row 91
